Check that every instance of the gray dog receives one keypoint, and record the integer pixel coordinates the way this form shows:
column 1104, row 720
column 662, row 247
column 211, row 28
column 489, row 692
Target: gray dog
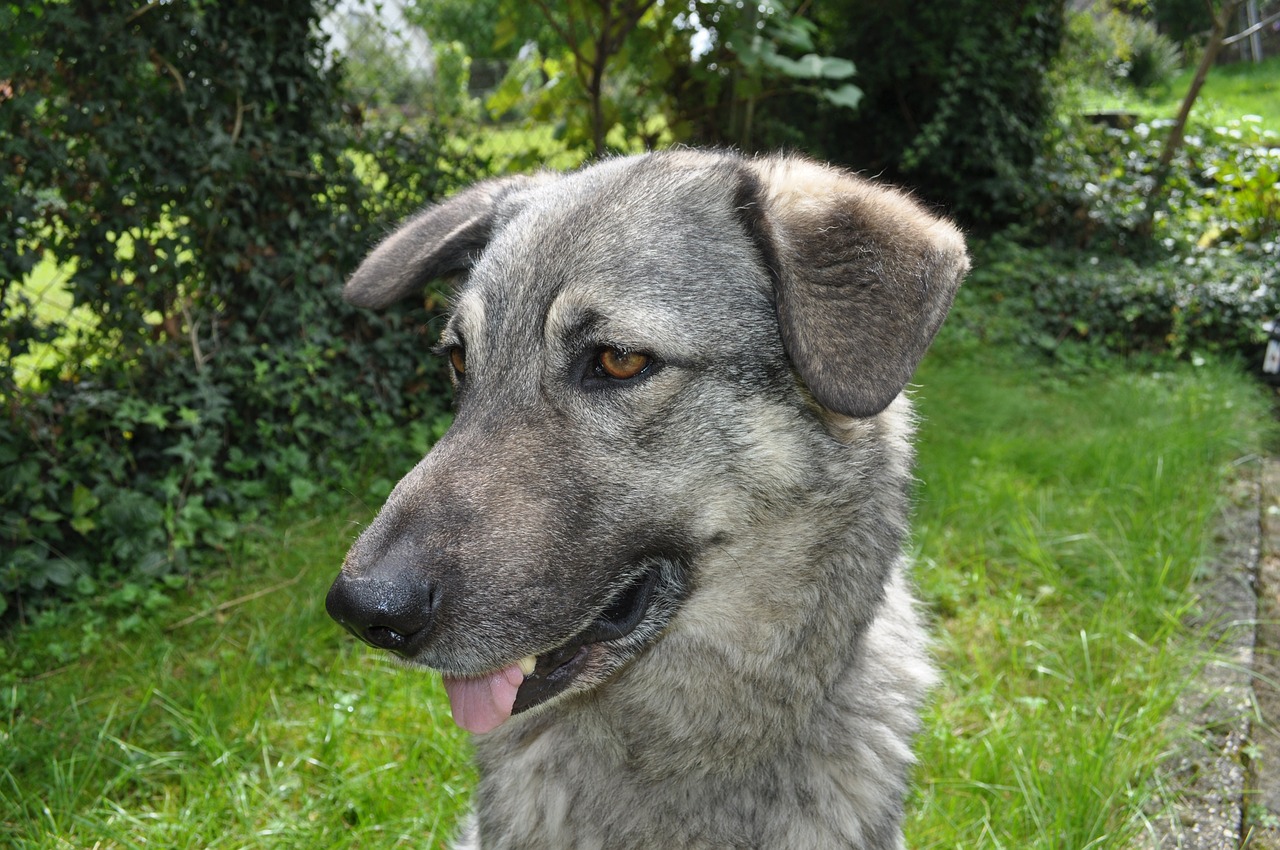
column 659, row 555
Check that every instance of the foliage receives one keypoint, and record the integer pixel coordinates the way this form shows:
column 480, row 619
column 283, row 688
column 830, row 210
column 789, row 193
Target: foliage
column 1185, row 21
column 950, row 98
column 590, row 69
column 1223, row 187
column 956, row 98
column 1111, row 49
column 189, row 170
column 384, row 66
column 490, row 29
column 1150, row 59
column 1081, row 308
column 629, row 76
column 756, row 64
column 394, row 71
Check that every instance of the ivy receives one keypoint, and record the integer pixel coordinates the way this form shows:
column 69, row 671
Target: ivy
column 186, row 177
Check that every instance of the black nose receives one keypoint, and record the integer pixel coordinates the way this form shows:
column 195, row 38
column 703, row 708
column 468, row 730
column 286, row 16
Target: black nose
column 389, row 613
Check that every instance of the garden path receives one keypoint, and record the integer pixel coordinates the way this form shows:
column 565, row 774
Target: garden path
column 1226, row 785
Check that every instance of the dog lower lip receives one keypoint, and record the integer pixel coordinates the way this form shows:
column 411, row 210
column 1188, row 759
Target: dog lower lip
column 555, row 670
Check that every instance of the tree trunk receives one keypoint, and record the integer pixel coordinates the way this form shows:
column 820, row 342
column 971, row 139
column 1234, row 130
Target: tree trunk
column 1156, row 195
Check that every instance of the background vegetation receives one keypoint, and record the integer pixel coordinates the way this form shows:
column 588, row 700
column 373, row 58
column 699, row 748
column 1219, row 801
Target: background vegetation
column 184, row 174
column 186, row 444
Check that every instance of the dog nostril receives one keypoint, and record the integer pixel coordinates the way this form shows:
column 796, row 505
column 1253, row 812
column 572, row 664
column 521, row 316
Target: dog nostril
column 384, row 638
column 392, row 614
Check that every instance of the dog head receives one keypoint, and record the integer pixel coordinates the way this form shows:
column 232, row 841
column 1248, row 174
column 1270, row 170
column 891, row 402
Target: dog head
column 623, row 334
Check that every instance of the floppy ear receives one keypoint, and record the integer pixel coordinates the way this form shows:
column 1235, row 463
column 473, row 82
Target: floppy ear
column 439, row 240
column 864, row 276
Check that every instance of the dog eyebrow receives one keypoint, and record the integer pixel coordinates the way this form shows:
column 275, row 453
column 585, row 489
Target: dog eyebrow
column 579, row 323
column 466, row 320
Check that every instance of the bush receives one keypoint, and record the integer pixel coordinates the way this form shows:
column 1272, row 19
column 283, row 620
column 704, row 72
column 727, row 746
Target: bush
column 1111, row 50
column 1223, row 188
column 1149, row 59
column 1207, row 279
column 191, row 169
column 956, row 98
column 1067, row 303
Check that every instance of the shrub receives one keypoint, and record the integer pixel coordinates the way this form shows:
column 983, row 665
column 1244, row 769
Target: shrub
column 1223, row 190
column 1111, row 49
column 956, row 98
column 1206, row 282
column 191, row 170
column 1057, row 300
column 1149, row 59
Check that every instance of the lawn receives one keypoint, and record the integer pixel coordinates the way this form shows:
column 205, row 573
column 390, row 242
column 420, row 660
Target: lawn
column 1230, row 92
column 1060, row 524
column 1060, row 519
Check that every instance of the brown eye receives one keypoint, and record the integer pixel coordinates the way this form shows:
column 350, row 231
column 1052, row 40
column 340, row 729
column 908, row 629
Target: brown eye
column 458, row 358
column 622, row 364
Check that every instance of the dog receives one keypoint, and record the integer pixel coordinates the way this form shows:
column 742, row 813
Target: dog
column 659, row 555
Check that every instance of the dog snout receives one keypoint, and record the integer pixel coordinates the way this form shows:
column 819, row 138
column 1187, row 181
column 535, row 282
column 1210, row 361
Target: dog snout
column 392, row 613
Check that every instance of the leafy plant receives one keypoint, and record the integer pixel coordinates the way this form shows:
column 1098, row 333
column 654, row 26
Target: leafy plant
column 191, row 172
column 1078, row 307
column 1149, row 58
column 764, row 54
column 956, row 99
column 1223, row 187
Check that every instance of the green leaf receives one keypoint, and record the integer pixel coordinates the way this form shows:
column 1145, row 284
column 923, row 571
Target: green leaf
column 504, row 32
column 156, row 414
column 796, row 33
column 59, row 572
column 45, row 514
column 847, row 95
column 811, row 66
column 83, row 502
column 303, row 488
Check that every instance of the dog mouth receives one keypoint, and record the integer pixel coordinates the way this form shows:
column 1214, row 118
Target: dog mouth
column 482, row 703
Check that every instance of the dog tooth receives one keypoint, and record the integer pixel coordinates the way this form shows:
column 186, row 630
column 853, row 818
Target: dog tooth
column 527, row 664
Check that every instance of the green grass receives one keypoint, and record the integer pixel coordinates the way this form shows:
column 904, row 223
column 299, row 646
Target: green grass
column 1059, row 522
column 254, row 725
column 1059, row 526
column 1230, row 92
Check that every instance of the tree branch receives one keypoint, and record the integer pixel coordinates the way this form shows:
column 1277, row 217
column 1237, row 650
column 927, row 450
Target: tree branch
column 1240, row 36
column 1156, row 194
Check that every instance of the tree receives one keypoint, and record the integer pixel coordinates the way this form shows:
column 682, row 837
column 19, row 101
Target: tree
column 956, row 97
column 700, row 69
column 594, row 32
column 759, row 55
column 1156, row 194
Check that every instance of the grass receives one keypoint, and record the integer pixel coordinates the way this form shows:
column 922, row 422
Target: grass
column 1060, row 525
column 1230, row 92
column 1059, row 522
column 253, row 724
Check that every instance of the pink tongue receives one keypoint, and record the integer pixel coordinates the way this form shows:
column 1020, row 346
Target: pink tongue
column 482, row 704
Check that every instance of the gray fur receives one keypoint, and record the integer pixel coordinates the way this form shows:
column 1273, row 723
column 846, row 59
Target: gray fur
column 760, row 474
